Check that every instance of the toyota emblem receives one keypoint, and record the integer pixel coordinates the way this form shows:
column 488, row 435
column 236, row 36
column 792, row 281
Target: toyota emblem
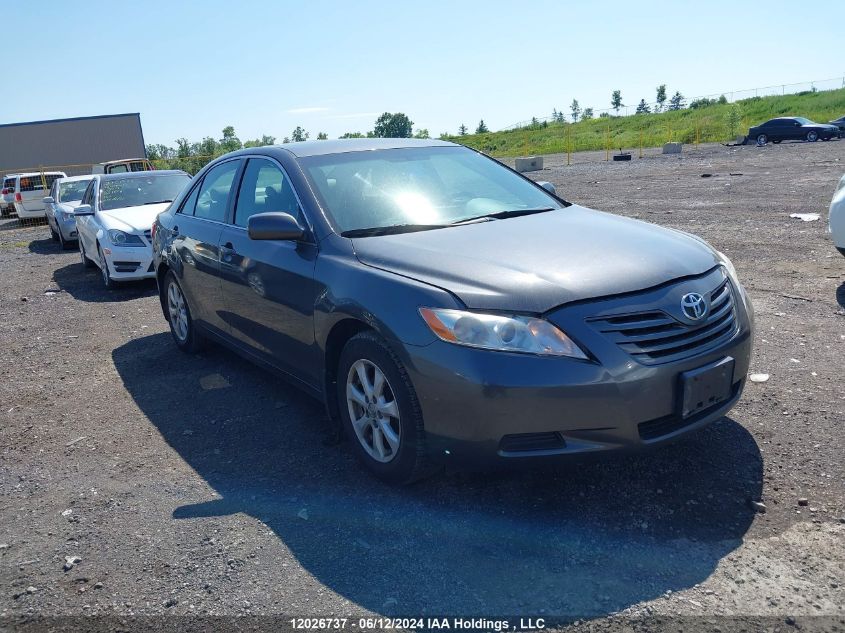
column 693, row 306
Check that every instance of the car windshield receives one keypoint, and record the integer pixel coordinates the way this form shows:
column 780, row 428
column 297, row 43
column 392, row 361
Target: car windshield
column 421, row 187
column 117, row 193
column 803, row 121
column 72, row 191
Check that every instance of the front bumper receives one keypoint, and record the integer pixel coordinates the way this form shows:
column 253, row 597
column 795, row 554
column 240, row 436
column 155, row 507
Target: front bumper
column 128, row 263
column 68, row 228
column 483, row 406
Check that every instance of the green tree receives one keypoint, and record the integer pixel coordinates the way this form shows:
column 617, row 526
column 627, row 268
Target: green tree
column 390, row 125
column 422, row 133
column 353, row 135
column 462, row 131
column 286, row 140
column 576, row 110
column 643, row 108
column 261, row 142
column 588, row 114
column 322, row 136
column 722, row 100
column 482, row 127
column 734, row 120
column 554, row 114
column 229, row 142
column 299, row 135
column 616, row 100
column 677, row 101
column 183, row 148
column 661, row 97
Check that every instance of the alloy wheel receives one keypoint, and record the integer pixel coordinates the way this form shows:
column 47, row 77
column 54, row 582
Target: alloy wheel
column 373, row 410
column 762, row 139
column 178, row 311
column 104, row 269
column 812, row 136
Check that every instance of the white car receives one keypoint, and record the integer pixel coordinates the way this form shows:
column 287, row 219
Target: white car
column 65, row 195
column 29, row 192
column 7, row 196
column 836, row 217
column 116, row 216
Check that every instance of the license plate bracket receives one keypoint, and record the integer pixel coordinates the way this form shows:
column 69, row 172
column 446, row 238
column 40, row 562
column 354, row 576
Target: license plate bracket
column 706, row 386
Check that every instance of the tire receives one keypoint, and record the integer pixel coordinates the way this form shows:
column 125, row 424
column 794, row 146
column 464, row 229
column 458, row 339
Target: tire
column 182, row 326
column 53, row 234
column 86, row 262
column 762, row 139
column 812, row 136
column 391, row 409
column 108, row 282
column 63, row 242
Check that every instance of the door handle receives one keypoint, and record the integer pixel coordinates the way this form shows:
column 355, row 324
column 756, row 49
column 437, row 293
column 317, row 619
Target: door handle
column 226, row 251
column 175, row 230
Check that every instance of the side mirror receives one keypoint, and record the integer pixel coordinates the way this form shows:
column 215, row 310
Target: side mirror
column 48, row 200
column 274, row 226
column 547, row 186
column 83, row 209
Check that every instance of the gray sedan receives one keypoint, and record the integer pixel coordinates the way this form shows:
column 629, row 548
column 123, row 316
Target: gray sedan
column 65, row 196
column 449, row 311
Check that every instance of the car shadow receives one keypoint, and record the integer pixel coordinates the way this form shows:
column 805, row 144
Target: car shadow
column 85, row 284
column 840, row 295
column 47, row 246
column 579, row 540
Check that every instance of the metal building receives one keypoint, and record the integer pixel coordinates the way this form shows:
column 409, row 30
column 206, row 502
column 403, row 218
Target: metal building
column 70, row 145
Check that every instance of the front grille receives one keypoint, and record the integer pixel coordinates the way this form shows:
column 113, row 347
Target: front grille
column 527, row 442
column 668, row 424
column 654, row 337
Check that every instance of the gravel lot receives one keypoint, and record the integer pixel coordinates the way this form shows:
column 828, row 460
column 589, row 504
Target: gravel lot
column 203, row 485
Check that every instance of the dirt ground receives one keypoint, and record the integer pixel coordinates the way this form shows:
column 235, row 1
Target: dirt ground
column 138, row 481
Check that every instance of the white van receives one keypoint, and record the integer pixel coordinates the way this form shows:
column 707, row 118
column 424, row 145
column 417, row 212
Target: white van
column 30, row 189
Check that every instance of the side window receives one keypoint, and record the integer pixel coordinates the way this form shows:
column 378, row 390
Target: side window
column 190, row 202
column 88, row 198
column 214, row 191
column 53, row 191
column 264, row 188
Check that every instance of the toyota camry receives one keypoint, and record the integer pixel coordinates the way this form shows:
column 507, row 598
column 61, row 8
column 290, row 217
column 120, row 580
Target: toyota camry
column 448, row 310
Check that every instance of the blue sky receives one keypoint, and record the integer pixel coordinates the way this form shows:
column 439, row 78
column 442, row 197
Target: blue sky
column 265, row 67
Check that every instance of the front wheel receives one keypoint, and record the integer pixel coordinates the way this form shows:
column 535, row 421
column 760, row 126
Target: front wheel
column 86, row 261
column 380, row 411
column 53, row 234
column 108, row 282
column 179, row 316
column 812, row 136
column 762, row 139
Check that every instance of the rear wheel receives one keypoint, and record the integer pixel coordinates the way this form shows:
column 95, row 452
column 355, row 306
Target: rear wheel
column 179, row 316
column 762, row 139
column 63, row 242
column 53, row 234
column 380, row 411
column 812, row 136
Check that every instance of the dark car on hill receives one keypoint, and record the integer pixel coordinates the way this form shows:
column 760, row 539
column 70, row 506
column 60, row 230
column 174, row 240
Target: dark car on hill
column 448, row 310
column 792, row 129
column 840, row 124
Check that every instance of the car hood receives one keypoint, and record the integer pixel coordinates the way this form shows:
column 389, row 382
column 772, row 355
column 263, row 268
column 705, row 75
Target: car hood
column 134, row 219
column 538, row 262
column 821, row 125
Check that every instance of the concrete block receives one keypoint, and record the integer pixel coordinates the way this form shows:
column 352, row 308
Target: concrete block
column 529, row 163
column 672, row 148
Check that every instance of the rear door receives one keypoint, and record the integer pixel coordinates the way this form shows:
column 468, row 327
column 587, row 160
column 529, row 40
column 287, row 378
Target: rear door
column 86, row 226
column 268, row 285
column 34, row 188
column 197, row 226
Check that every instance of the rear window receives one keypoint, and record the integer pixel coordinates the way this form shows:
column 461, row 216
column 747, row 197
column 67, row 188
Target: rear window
column 9, row 183
column 37, row 182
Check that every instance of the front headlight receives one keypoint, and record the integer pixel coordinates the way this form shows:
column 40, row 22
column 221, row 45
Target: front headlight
column 728, row 264
column 503, row 333
column 67, row 216
column 119, row 238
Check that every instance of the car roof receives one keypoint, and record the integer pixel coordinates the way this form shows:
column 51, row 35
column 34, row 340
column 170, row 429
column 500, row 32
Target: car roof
column 122, row 160
column 141, row 174
column 344, row 145
column 75, row 178
column 30, row 174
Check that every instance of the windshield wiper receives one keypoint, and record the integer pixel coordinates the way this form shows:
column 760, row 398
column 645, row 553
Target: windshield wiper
column 157, row 202
column 392, row 230
column 500, row 215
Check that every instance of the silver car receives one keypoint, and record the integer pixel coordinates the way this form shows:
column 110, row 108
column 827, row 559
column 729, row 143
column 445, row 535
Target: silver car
column 65, row 196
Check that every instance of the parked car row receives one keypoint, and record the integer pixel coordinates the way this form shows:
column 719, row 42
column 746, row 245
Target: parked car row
column 23, row 194
column 795, row 129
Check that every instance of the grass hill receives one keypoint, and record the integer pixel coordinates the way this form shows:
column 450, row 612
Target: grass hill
column 711, row 123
